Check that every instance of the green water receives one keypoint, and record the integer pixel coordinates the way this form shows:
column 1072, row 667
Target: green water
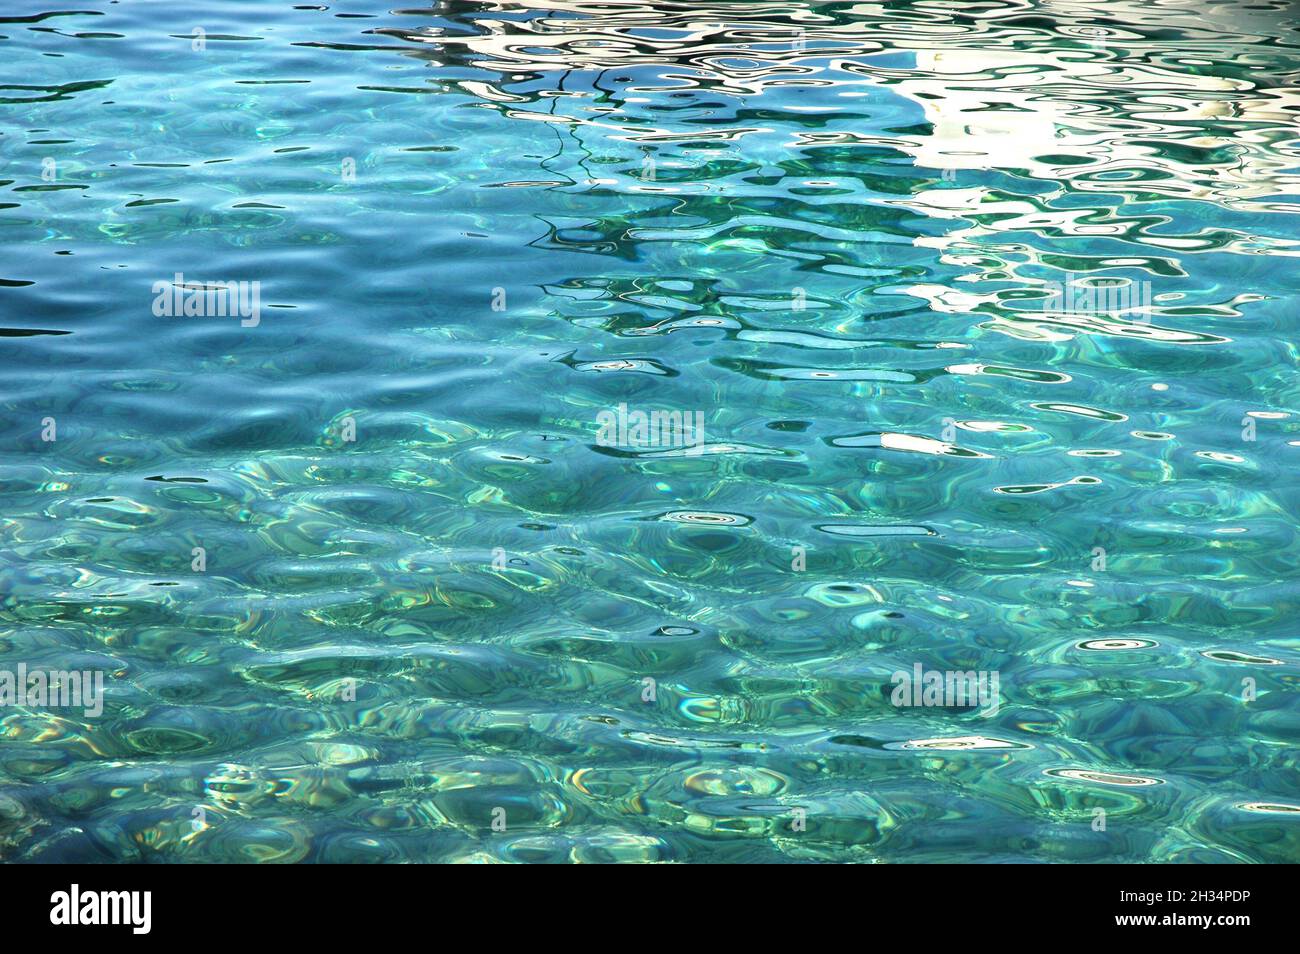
column 977, row 321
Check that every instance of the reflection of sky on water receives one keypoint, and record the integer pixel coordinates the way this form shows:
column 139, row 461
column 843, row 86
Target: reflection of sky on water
column 999, row 89
column 1003, row 126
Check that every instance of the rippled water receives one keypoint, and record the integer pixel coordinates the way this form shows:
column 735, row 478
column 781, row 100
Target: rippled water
column 364, row 579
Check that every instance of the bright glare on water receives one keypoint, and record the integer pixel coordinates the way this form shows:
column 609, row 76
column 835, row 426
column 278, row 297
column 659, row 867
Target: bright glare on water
column 614, row 430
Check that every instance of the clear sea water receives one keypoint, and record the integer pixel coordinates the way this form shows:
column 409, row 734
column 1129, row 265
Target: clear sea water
column 366, row 584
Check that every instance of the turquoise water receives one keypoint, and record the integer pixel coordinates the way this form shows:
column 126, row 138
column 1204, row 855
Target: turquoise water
column 986, row 312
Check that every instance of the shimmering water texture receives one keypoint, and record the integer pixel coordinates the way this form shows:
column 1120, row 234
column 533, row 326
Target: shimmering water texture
column 367, row 584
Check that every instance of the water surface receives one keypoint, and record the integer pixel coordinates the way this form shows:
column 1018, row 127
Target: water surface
column 365, row 583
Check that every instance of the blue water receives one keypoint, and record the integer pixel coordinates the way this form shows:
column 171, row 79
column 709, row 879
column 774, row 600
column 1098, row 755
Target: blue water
column 986, row 316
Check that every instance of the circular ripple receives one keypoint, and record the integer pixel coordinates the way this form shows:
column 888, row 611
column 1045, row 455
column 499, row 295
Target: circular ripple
column 1104, row 778
column 1105, row 645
